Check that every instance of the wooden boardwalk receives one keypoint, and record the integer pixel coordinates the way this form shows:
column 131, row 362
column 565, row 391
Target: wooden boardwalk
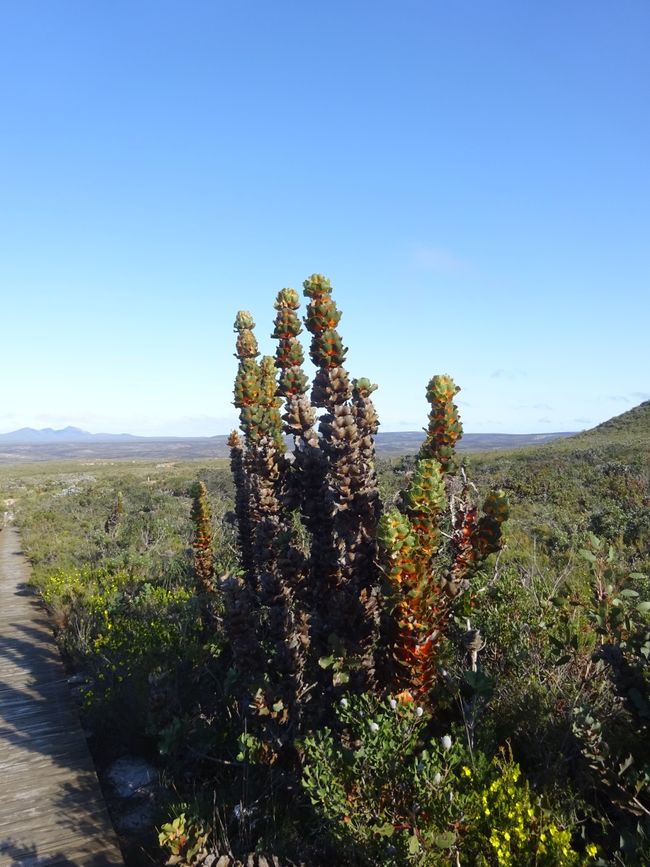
column 51, row 807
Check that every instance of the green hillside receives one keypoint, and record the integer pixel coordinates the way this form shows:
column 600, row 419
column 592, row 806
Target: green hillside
column 629, row 428
column 597, row 482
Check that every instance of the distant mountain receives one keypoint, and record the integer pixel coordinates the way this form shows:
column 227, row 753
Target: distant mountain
column 28, row 435
column 72, row 443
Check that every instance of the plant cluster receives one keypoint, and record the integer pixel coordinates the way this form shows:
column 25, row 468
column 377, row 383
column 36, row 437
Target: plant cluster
column 367, row 601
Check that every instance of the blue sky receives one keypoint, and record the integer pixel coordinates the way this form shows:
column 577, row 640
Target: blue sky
column 473, row 177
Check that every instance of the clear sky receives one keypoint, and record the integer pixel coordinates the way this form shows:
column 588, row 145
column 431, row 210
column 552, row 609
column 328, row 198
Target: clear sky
column 474, row 177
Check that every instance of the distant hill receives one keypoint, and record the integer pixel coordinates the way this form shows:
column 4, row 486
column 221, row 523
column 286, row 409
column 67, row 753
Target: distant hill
column 408, row 442
column 631, row 427
column 28, row 435
column 27, row 444
column 70, row 435
column 74, row 444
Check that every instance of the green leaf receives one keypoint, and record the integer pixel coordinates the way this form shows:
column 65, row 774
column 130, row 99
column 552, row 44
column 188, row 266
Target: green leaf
column 445, row 840
column 643, row 606
column 588, row 555
column 326, row 661
column 278, row 706
column 414, row 845
column 340, row 677
column 564, row 659
column 595, row 541
column 629, row 594
column 385, row 830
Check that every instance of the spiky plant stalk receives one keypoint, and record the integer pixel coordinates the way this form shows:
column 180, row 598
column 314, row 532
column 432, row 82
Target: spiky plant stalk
column 241, row 604
column 445, row 428
column 299, row 417
column 246, row 398
column 411, row 543
column 261, row 468
column 203, row 554
column 242, row 496
column 345, row 574
column 426, row 568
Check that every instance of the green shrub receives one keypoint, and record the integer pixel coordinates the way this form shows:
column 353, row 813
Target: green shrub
column 132, row 641
column 389, row 793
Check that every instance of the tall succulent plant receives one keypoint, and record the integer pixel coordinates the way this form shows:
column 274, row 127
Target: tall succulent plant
column 434, row 545
column 267, row 596
column 299, row 418
column 203, row 554
column 318, row 617
column 345, row 574
column 318, row 613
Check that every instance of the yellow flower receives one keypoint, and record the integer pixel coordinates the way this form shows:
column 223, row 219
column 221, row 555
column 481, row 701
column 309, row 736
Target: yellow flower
column 591, row 849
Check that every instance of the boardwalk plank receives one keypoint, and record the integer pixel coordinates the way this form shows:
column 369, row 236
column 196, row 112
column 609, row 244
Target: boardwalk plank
column 52, row 813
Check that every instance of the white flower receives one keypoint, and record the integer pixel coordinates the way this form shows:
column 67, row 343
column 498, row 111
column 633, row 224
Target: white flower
column 374, row 727
column 437, row 778
column 446, row 742
column 418, row 711
column 344, row 702
column 393, row 703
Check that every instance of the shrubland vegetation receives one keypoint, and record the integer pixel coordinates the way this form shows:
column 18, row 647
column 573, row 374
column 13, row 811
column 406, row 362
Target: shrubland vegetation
column 346, row 661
